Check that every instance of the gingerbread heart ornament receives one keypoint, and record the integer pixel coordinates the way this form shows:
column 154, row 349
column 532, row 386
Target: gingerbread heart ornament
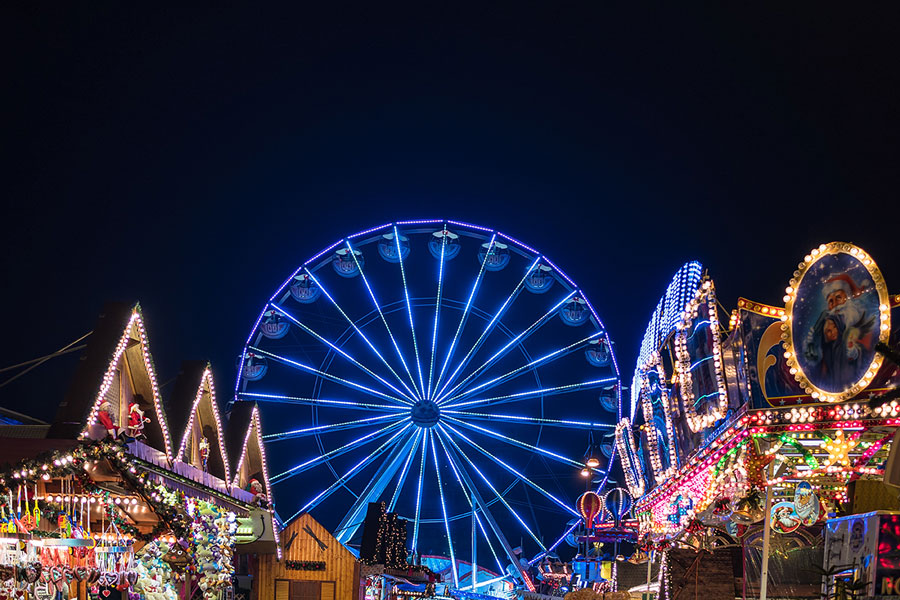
column 132, row 577
column 81, row 573
column 7, row 572
column 69, row 574
column 56, row 577
column 32, row 571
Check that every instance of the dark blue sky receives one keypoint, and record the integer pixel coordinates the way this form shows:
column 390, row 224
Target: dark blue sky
column 191, row 158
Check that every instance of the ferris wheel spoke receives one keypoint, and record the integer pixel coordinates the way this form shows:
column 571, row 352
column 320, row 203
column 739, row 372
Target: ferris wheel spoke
column 488, row 328
column 512, row 441
column 556, row 354
column 483, row 506
column 343, row 404
column 437, row 470
column 506, row 348
column 316, row 461
column 499, row 496
column 412, row 326
column 355, row 469
column 539, row 421
column 387, row 327
column 539, row 393
column 465, row 313
column 437, row 315
column 319, row 429
column 415, row 540
column 353, row 325
column 409, row 395
column 329, row 376
column 519, row 475
column 470, row 500
column 405, row 471
column 376, row 486
column 555, row 544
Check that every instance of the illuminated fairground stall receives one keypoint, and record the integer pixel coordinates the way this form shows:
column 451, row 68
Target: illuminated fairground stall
column 121, row 497
column 747, row 433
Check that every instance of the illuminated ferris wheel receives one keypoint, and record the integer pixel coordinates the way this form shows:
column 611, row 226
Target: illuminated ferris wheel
column 446, row 369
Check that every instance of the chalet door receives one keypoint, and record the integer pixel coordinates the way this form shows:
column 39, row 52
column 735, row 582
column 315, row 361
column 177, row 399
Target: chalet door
column 304, row 590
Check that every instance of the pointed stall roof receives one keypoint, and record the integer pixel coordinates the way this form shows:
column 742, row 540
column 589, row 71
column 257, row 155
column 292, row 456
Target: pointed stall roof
column 194, row 400
column 118, row 338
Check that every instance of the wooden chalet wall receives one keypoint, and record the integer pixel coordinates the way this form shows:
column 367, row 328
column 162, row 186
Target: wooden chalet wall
column 341, row 567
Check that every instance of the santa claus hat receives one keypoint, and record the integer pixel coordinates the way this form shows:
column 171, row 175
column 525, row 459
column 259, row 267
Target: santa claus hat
column 840, row 281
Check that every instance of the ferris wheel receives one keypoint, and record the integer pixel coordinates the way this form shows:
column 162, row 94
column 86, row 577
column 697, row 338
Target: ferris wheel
column 446, row 369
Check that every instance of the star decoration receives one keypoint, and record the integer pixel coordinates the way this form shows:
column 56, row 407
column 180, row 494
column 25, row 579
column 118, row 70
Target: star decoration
column 839, row 449
column 756, row 464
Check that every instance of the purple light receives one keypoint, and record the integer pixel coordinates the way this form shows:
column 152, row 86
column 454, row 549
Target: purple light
column 470, row 226
column 373, row 229
column 325, row 251
column 560, row 271
column 419, row 222
column 517, row 242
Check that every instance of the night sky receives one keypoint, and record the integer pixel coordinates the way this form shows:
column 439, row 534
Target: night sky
column 192, row 158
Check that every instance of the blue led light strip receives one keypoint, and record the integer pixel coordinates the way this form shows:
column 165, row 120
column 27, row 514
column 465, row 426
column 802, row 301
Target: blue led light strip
column 462, row 319
column 521, row 337
column 415, row 540
column 408, row 394
column 313, row 462
column 469, row 500
column 405, row 470
column 348, row 475
column 551, row 391
column 515, row 442
column 488, row 328
column 387, row 327
column 514, row 471
column 412, row 327
column 329, row 376
column 437, row 469
column 496, row 493
column 355, row 328
column 437, row 314
column 320, row 401
column 530, row 420
column 505, row 377
column 306, row 431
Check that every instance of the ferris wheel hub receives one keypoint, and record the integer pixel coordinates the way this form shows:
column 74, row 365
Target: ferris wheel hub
column 425, row 414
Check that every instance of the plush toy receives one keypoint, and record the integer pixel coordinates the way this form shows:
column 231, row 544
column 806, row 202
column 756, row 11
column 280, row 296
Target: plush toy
column 259, row 493
column 204, row 452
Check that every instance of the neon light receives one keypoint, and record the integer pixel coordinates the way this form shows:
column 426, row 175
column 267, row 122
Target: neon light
column 295, row 433
column 311, row 332
column 314, row 401
column 412, row 327
column 496, row 493
column 372, row 230
column 532, row 420
column 562, row 389
column 368, row 371
column 516, row 473
column 405, row 470
column 337, row 451
column 437, row 314
column 533, row 363
column 323, row 252
column 520, row 244
column 348, row 475
column 415, row 541
column 470, row 226
column 514, row 442
column 465, row 313
column 418, row 222
column 437, row 470
column 353, row 325
column 384, row 321
column 521, row 337
column 328, row 376
column 560, row 271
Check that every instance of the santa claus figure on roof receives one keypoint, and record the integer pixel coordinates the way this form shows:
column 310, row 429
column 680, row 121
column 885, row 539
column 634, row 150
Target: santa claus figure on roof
column 136, row 420
column 106, row 415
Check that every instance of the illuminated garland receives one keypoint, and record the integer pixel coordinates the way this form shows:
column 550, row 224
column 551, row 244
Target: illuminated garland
column 696, row 421
column 207, row 381
column 135, row 321
column 634, row 474
column 652, row 436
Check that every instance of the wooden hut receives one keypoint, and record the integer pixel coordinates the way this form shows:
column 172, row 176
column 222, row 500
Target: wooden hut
column 315, row 566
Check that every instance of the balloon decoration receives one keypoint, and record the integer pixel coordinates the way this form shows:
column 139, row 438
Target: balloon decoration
column 589, row 506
